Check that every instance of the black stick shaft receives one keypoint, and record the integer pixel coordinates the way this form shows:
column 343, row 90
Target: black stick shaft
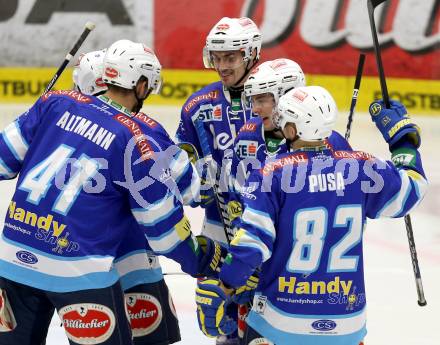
column 409, row 230
column 88, row 28
column 383, row 83
column 357, row 85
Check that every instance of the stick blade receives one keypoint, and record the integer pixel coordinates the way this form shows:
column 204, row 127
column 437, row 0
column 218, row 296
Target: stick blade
column 376, row 3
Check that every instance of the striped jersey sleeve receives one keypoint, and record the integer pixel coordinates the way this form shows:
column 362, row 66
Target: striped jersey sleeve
column 254, row 241
column 14, row 142
column 156, row 203
column 401, row 185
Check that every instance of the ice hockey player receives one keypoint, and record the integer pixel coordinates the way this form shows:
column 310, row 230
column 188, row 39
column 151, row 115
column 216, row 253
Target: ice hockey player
column 259, row 138
column 148, row 301
column 218, row 107
column 307, row 230
column 88, row 173
column 215, row 114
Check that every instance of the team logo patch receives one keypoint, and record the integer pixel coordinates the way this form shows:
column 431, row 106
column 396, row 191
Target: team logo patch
column 87, row 323
column 260, row 341
column 375, row 109
column 144, row 312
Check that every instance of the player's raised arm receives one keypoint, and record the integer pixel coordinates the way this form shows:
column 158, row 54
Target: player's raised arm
column 405, row 182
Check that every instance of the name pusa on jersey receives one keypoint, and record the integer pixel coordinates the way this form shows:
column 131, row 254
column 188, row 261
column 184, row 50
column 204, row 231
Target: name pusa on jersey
column 326, row 182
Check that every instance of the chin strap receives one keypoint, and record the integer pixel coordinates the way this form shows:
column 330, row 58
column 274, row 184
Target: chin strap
column 246, row 72
column 140, row 101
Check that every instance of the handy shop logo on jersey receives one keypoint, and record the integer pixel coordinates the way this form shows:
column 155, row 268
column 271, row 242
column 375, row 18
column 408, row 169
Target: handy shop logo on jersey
column 47, row 229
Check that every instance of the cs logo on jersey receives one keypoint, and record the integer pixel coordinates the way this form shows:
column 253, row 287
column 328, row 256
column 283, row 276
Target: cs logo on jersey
column 207, row 112
column 26, row 257
column 375, row 109
column 324, row 325
column 246, row 148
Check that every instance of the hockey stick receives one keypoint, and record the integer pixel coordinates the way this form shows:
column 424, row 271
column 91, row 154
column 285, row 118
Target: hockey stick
column 87, row 29
column 372, row 4
column 357, row 85
column 221, row 207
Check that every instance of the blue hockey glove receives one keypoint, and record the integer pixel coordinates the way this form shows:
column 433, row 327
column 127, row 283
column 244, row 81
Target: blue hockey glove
column 245, row 294
column 394, row 123
column 211, row 309
column 213, row 256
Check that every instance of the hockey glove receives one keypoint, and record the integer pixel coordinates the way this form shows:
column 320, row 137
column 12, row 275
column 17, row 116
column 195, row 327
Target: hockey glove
column 245, row 294
column 394, row 123
column 212, row 258
column 211, row 309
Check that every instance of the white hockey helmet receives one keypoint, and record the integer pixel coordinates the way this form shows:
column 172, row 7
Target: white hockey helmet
column 126, row 61
column 311, row 108
column 231, row 34
column 275, row 77
column 87, row 73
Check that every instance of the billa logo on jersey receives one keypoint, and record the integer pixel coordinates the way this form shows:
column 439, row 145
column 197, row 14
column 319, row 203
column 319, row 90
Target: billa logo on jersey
column 87, row 323
column 246, row 148
column 111, row 72
column 144, row 312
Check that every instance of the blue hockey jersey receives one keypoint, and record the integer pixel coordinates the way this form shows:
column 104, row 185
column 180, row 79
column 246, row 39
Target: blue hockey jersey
column 135, row 262
column 251, row 152
column 303, row 221
column 208, row 113
column 89, row 173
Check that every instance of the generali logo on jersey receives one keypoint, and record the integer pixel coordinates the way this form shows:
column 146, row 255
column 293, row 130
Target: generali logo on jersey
column 87, row 323
column 144, row 312
column 69, row 93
